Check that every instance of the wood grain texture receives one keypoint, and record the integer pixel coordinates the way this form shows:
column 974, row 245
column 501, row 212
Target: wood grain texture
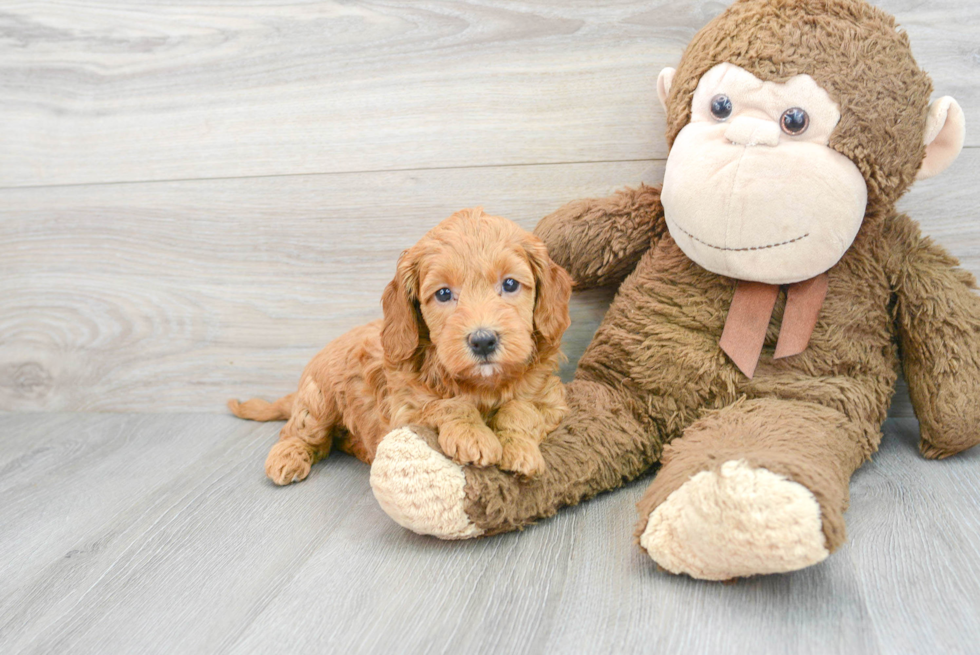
column 108, row 91
column 174, row 296
column 935, row 580
column 159, row 533
column 196, row 196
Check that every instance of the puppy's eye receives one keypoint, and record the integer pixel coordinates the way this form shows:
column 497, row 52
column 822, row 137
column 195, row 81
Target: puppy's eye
column 444, row 294
column 721, row 106
column 510, row 285
column 794, row 121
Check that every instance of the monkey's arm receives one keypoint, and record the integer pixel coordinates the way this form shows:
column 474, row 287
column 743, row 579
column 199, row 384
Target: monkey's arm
column 938, row 320
column 600, row 240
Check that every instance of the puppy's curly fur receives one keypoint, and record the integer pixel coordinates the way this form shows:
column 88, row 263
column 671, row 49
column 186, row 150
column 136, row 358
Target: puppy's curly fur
column 459, row 350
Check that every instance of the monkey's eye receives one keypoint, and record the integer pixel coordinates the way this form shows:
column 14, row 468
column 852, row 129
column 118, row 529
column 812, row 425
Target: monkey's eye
column 721, row 106
column 444, row 294
column 794, row 121
column 510, row 285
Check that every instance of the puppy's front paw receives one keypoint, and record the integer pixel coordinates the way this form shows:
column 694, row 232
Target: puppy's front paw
column 521, row 455
column 468, row 443
column 288, row 461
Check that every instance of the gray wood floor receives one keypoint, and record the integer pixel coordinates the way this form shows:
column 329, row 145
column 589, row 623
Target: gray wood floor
column 159, row 533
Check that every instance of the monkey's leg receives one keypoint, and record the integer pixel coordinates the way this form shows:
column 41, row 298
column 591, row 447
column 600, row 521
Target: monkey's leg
column 426, row 492
column 757, row 487
column 306, row 437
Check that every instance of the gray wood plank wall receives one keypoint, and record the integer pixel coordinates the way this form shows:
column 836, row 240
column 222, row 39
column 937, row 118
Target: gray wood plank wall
column 195, row 197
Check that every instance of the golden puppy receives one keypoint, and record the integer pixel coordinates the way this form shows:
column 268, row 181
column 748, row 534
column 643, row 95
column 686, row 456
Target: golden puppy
column 469, row 346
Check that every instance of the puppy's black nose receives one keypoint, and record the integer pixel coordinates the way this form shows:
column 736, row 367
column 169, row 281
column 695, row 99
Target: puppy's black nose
column 483, row 342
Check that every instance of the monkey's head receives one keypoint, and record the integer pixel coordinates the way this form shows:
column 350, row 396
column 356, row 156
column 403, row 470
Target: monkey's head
column 789, row 122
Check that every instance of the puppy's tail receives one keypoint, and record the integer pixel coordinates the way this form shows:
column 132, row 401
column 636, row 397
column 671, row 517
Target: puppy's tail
column 261, row 410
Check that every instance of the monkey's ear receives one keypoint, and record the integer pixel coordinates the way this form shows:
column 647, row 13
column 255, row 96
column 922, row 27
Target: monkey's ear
column 663, row 85
column 945, row 134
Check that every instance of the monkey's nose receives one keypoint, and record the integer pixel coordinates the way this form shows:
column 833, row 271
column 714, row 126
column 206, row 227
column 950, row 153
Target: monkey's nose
column 483, row 342
column 748, row 131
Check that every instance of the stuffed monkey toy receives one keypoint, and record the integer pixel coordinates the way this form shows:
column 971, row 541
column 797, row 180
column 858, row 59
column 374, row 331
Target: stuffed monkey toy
column 768, row 293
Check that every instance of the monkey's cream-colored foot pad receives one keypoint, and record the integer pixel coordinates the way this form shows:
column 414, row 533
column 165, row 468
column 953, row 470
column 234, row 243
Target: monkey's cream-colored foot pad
column 419, row 488
column 736, row 522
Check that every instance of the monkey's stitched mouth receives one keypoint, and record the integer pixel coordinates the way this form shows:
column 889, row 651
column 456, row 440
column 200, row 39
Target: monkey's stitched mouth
column 766, row 247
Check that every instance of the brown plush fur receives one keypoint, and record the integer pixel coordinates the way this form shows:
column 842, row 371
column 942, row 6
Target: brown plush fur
column 853, row 50
column 415, row 366
column 654, row 383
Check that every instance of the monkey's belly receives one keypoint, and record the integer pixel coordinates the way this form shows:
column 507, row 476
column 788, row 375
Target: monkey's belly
column 659, row 340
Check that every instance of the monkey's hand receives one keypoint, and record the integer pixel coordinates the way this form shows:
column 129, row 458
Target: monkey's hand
column 938, row 317
column 600, row 240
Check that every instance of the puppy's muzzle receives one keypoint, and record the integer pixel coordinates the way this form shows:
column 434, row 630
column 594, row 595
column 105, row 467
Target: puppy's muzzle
column 483, row 342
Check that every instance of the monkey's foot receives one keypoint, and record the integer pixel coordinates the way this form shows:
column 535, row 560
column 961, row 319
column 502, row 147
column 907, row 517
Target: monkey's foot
column 735, row 522
column 420, row 488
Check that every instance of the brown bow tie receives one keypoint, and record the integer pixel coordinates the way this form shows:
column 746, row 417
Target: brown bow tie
column 751, row 309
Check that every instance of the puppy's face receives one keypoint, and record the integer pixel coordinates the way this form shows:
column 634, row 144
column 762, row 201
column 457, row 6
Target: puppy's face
column 477, row 298
column 486, row 295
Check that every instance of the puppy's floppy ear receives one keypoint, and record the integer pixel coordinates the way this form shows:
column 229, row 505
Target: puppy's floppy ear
column 402, row 318
column 553, row 290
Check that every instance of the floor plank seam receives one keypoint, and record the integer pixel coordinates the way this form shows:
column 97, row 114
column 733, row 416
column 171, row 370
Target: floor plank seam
column 418, row 169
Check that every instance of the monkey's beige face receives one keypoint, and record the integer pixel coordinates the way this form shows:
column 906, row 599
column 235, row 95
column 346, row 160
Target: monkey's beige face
column 752, row 189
